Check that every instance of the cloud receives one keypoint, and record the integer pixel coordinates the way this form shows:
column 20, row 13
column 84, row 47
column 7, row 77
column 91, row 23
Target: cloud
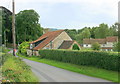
column 69, row 13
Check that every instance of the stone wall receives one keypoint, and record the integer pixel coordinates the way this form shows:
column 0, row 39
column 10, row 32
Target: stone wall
column 58, row 41
column 29, row 52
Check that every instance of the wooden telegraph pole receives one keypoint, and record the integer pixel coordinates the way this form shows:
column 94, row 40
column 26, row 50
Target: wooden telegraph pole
column 13, row 27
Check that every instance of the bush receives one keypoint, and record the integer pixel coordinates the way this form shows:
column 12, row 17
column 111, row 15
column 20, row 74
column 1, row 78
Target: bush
column 22, row 48
column 98, row 59
column 75, row 47
column 96, row 46
column 116, row 48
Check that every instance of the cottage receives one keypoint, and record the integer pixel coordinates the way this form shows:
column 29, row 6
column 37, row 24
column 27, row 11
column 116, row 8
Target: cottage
column 107, row 43
column 52, row 40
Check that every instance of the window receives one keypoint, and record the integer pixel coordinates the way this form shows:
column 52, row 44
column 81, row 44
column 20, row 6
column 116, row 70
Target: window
column 109, row 49
column 103, row 44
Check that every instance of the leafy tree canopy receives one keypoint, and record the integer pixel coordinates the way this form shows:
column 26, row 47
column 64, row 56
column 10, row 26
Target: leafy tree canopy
column 27, row 26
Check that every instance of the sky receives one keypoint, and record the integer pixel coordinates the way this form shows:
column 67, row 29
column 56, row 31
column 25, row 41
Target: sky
column 69, row 14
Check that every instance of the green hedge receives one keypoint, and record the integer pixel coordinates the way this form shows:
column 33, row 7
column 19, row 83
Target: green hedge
column 98, row 59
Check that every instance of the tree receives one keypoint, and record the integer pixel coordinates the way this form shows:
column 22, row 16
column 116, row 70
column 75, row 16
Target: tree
column 96, row 46
column 75, row 47
column 22, row 48
column 27, row 26
column 72, row 33
column 101, row 31
column 6, row 25
column 86, row 33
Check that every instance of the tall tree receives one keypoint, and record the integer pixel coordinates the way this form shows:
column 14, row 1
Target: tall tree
column 6, row 25
column 101, row 31
column 27, row 26
column 86, row 33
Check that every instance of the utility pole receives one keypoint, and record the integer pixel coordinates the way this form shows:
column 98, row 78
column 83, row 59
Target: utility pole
column 13, row 27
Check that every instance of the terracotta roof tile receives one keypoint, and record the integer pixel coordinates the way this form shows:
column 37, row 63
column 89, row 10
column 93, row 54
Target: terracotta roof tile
column 112, row 39
column 101, row 41
column 66, row 44
column 49, row 36
column 91, row 41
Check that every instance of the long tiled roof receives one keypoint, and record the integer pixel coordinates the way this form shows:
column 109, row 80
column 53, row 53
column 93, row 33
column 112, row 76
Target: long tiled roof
column 101, row 41
column 47, row 38
column 66, row 44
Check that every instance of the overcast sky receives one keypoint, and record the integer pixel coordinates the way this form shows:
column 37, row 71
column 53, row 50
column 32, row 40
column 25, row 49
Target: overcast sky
column 70, row 14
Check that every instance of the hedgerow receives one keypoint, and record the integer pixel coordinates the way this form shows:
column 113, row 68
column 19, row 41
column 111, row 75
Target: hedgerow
column 98, row 59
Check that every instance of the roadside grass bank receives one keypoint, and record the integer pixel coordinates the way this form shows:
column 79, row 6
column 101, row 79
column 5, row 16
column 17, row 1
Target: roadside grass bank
column 87, row 70
column 13, row 69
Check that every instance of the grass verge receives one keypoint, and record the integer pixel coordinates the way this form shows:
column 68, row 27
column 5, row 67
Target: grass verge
column 87, row 70
column 13, row 69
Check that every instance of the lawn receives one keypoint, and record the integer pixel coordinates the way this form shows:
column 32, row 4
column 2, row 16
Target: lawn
column 87, row 70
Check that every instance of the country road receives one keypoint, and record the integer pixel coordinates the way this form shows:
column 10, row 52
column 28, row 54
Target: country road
column 47, row 73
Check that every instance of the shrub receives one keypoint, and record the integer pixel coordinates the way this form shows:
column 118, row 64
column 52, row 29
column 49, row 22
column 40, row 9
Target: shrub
column 116, row 48
column 96, row 46
column 75, row 47
column 22, row 48
column 98, row 59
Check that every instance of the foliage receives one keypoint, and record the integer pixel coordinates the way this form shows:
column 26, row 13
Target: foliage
column 96, row 46
column 93, row 32
column 3, row 55
column 6, row 26
column 75, row 47
column 27, row 25
column 22, row 48
column 102, row 28
column 115, row 48
column 16, row 70
column 71, row 33
column 86, row 33
column 99, row 59
column 5, row 50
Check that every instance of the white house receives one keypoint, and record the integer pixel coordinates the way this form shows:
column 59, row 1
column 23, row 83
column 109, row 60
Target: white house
column 106, row 43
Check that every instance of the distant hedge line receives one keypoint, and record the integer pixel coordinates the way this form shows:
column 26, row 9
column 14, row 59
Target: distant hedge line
column 98, row 59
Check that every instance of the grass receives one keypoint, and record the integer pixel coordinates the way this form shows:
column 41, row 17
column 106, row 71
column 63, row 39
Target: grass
column 87, row 70
column 16, row 70
column 13, row 69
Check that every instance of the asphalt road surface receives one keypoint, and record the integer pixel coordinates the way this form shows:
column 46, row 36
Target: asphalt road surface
column 47, row 73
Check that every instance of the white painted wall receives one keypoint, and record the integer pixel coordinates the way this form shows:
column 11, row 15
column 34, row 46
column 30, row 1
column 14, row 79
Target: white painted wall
column 87, row 45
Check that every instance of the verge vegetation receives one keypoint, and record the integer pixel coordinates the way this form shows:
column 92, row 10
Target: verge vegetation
column 14, row 69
